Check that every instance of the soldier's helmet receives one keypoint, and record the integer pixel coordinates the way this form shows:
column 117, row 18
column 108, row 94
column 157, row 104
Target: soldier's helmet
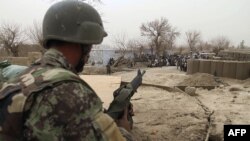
column 73, row 21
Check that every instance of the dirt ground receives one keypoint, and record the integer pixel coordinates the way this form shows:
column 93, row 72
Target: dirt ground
column 173, row 115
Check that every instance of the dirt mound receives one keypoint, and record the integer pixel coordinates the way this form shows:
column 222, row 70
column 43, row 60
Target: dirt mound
column 199, row 79
column 167, row 116
column 246, row 83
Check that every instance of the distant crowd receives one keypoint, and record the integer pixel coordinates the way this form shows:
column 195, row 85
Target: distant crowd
column 172, row 60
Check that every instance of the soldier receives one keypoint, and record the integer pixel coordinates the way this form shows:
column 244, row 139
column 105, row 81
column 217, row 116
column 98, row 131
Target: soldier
column 108, row 67
column 49, row 101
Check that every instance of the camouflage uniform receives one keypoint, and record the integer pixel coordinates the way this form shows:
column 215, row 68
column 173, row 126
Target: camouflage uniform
column 54, row 104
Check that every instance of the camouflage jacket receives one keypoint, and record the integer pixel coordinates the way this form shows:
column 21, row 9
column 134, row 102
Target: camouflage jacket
column 49, row 102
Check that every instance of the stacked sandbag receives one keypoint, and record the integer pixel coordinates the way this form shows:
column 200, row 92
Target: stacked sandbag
column 205, row 66
column 193, row 66
column 217, row 68
column 229, row 69
column 12, row 71
column 9, row 71
column 196, row 66
column 190, row 66
column 242, row 70
column 213, row 67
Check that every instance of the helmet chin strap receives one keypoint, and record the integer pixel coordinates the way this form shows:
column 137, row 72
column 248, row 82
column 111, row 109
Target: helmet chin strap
column 85, row 53
column 80, row 65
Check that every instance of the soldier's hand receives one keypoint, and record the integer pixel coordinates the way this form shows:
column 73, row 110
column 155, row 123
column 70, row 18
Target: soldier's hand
column 131, row 110
column 124, row 122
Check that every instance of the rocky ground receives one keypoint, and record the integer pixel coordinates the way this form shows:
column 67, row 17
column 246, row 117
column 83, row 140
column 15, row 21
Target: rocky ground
column 172, row 115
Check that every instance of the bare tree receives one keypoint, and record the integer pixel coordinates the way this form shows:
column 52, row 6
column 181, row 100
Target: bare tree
column 200, row 45
column 220, row 43
column 121, row 43
column 35, row 35
column 156, row 31
column 137, row 46
column 132, row 45
column 151, row 47
column 180, row 49
column 204, row 46
column 193, row 37
column 170, row 39
column 11, row 37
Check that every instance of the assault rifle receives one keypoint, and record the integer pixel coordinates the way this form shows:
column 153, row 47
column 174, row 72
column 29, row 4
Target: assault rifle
column 122, row 97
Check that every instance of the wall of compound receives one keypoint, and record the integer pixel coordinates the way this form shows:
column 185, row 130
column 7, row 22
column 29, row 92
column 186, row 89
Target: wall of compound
column 231, row 69
column 23, row 61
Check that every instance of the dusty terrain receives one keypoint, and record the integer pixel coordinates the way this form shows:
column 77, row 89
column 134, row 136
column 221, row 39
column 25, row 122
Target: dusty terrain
column 173, row 115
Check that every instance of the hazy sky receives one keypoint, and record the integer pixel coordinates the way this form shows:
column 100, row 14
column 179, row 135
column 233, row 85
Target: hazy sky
column 213, row 18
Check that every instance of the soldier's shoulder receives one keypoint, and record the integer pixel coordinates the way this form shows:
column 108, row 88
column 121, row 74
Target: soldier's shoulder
column 44, row 75
column 63, row 77
column 59, row 73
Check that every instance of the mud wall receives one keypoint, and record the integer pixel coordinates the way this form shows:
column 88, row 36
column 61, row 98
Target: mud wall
column 24, row 61
column 231, row 69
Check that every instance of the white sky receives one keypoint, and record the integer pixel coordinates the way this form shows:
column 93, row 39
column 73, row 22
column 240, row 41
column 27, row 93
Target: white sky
column 213, row 18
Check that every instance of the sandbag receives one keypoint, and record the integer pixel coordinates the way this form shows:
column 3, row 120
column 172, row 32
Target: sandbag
column 193, row 66
column 229, row 69
column 213, row 67
column 242, row 70
column 217, row 68
column 205, row 66
column 4, row 64
column 189, row 66
column 12, row 71
column 196, row 65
